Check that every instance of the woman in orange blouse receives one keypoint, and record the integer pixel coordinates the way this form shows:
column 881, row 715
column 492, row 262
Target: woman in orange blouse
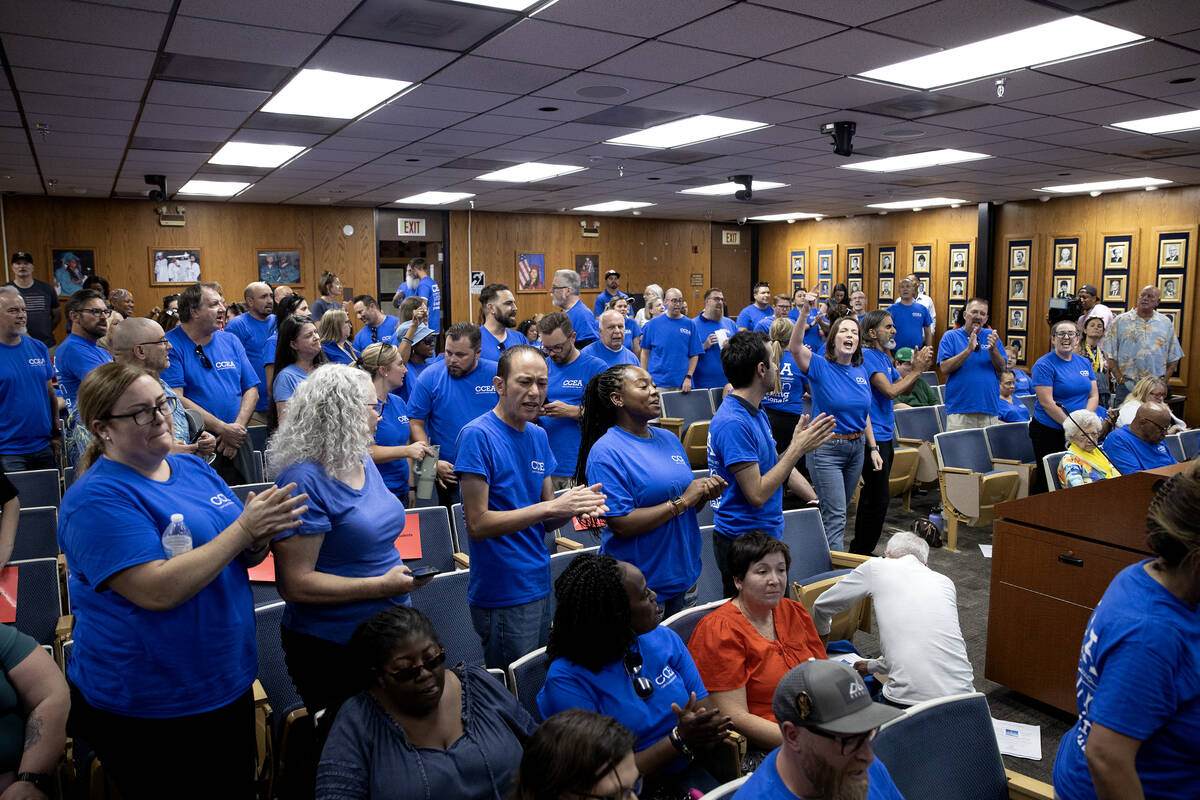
column 744, row 647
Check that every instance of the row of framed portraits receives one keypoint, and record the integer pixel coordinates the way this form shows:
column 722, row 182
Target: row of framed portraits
column 171, row 266
column 921, row 260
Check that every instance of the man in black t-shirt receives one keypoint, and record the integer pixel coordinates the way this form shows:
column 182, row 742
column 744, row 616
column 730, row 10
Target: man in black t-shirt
column 41, row 303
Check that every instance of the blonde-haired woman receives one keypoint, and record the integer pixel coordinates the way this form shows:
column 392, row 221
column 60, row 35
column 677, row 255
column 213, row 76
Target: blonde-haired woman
column 164, row 654
column 391, row 451
column 785, row 404
column 1147, row 390
column 335, row 330
column 340, row 566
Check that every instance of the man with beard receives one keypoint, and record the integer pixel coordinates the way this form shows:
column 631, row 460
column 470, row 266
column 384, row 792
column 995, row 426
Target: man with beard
column 80, row 352
column 26, row 393
column 499, row 320
column 569, row 374
column 564, row 293
column 376, row 325
column 612, row 290
column 709, row 324
column 828, row 721
column 972, row 358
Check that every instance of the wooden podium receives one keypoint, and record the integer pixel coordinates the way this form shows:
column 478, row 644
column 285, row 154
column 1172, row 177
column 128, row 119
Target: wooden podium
column 1053, row 556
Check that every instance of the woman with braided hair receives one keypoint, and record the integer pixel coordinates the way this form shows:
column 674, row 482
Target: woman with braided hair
column 608, row 654
column 652, row 494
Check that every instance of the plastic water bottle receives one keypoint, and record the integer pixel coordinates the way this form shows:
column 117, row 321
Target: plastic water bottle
column 176, row 539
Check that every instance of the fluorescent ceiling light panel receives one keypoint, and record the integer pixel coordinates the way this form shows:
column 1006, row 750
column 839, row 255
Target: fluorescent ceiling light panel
column 793, row 215
column 933, row 158
column 320, row 93
column 504, row 5
column 1168, row 123
column 213, row 188
column 1103, row 186
column 245, row 154
column 730, row 187
column 928, row 202
column 529, row 172
column 434, row 198
column 687, row 131
column 612, row 205
column 1061, row 40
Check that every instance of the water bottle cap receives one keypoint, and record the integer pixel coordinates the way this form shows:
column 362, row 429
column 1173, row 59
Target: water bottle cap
column 177, row 518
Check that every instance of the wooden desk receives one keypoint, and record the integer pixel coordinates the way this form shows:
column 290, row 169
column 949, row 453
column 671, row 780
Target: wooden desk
column 1053, row 556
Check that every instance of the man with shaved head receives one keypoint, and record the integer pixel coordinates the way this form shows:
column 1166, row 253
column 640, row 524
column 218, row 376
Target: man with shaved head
column 671, row 346
column 1141, row 343
column 1139, row 445
column 253, row 329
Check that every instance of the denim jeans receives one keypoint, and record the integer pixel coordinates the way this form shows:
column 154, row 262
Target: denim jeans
column 509, row 633
column 41, row 459
column 673, row 605
column 834, row 468
column 1120, row 392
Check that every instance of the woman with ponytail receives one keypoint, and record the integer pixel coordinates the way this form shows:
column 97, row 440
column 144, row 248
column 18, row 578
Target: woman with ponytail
column 652, row 494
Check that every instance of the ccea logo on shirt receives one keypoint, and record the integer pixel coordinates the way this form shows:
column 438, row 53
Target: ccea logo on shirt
column 686, row 331
column 860, row 379
column 665, row 678
column 1083, row 372
column 487, row 389
column 678, row 459
column 224, row 365
column 402, row 419
column 573, row 383
column 37, row 362
column 538, row 467
column 220, row 500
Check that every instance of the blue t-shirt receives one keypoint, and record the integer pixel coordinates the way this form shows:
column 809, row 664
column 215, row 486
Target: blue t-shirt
column 1024, row 383
column 583, row 323
column 566, row 385
column 1071, row 380
column 843, row 392
column 671, row 343
column 1129, row 454
column 598, row 351
column 1137, row 666
column 432, row 293
column 286, row 382
column 709, row 373
column 268, row 354
column 639, row 473
column 665, row 661
column 512, row 569
column 360, row 528
column 73, row 360
column 128, row 660
column 973, row 388
column 632, row 331
column 24, row 370
column 337, row 355
column 447, row 404
column 749, row 316
column 384, row 332
column 491, row 347
column 603, row 299
column 392, row 431
column 1013, row 412
column 911, row 322
column 253, row 335
column 739, row 435
column 883, row 414
column 217, row 390
column 765, row 784
column 793, row 384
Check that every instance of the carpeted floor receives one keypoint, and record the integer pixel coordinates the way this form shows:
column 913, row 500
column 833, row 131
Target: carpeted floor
column 971, row 573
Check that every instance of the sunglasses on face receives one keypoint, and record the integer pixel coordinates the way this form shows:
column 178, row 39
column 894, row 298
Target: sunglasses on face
column 407, row 674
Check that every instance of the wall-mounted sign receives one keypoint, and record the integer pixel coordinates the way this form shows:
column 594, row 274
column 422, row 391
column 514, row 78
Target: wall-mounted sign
column 477, row 281
column 410, row 228
column 697, row 279
column 731, row 237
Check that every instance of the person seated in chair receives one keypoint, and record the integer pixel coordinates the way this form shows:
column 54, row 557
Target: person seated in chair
column 1084, row 461
column 1139, row 445
column 921, row 393
column 1011, row 410
column 35, row 714
column 579, row 753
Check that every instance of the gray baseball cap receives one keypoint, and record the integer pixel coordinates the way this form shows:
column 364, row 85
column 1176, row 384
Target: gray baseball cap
column 829, row 695
column 422, row 331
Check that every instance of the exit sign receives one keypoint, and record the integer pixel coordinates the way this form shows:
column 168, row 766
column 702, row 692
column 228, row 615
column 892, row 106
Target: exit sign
column 411, row 228
column 731, row 237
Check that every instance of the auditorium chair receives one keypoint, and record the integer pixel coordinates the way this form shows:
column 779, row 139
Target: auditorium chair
column 1050, row 465
column 684, row 622
column 940, row 408
column 708, row 587
column 1183, row 445
column 526, row 676
column 558, row 565
column 444, row 601
column 36, row 487
column 704, row 511
column 941, row 393
column 1175, row 447
column 1010, row 445
column 689, row 414
column 815, row 568
column 916, row 428
column 462, row 540
column 931, row 377
column 282, row 711
column 37, row 534
column 1030, row 401
column 243, row 490
column 972, row 482
column 903, row 476
column 437, row 540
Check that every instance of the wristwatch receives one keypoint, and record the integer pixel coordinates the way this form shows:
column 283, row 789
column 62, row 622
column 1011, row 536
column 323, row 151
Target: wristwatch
column 41, row 781
column 688, row 376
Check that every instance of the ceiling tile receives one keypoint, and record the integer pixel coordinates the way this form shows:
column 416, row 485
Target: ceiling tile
column 751, row 30
column 859, row 12
column 775, row 111
column 90, row 23
column 1075, row 100
column 200, row 117
column 76, row 85
column 29, row 51
column 1036, row 128
column 1156, row 18
column 981, row 117
column 669, row 62
column 1128, row 62
column 1159, row 85
column 1019, row 85
column 538, row 41
column 448, row 98
column 950, row 23
column 844, row 93
column 84, row 106
column 564, row 110
column 379, row 59
column 496, row 123
column 401, row 112
column 852, row 52
column 1126, row 111
column 634, row 17
column 425, row 23
column 694, row 100
column 199, row 96
column 764, row 78
column 313, row 16
column 211, row 39
column 472, row 72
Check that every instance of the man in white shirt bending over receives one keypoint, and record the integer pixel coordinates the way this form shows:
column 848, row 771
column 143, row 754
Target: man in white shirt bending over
column 924, row 655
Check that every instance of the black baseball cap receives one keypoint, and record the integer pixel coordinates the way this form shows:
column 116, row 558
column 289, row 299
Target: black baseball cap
column 612, row 272
column 21, row 255
column 1089, row 289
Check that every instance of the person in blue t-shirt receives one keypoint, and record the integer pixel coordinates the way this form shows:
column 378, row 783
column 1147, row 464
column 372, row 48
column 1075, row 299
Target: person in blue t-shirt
column 1139, row 704
column 827, row 720
column 782, row 307
column 1139, row 445
column 841, row 387
column 633, row 329
column 504, row 463
column 419, row 338
column 80, row 352
column 498, row 331
column 972, row 358
column 749, row 316
column 671, row 346
column 714, row 329
column 391, row 451
column 570, row 372
column 340, row 566
column 26, row 392
column 1064, row 382
column 564, row 294
column 651, row 491
column 914, row 325
column 132, row 597
column 609, row 348
column 253, row 329
column 428, row 290
column 741, row 451
column 335, row 330
column 612, row 290
column 297, row 353
column 608, row 654
column 1010, row 410
column 785, row 402
column 376, row 325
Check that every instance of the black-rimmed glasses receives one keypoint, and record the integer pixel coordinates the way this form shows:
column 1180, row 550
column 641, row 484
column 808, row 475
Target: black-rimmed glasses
column 204, row 362
column 406, row 674
column 643, row 687
column 144, row 416
column 97, row 312
column 624, row 793
column 849, row 744
column 156, row 341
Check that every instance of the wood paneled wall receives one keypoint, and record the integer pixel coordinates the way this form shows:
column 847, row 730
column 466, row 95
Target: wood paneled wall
column 666, row 252
column 227, row 234
column 731, row 267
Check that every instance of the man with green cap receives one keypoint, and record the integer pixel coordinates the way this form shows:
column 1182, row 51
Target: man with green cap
column 921, row 394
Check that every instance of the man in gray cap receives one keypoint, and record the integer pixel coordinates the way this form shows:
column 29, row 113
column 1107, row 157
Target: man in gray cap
column 828, row 720
column 1092, row 307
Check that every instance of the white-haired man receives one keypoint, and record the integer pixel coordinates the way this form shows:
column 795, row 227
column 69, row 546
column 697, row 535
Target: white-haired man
column 924, row 655
column 610, row 347
column 564, row 293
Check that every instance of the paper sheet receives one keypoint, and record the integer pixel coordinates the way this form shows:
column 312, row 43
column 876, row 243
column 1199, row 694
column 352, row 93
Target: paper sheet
column 846, row 658
column 986, row 549
column 1018, row 739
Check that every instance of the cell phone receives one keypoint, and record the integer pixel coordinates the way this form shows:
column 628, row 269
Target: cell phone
column 425, row 571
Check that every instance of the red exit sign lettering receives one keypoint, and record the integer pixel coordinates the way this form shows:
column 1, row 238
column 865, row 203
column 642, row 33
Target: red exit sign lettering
column 411, row 227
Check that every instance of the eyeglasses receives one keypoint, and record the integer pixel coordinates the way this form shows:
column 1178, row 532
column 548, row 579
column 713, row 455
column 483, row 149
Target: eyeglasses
column 204, row 362
column 557, row 288
column 406, row 674
column 377, row 405
column 849, row 744
column 98, row 312
column 621, row 794
column 1066, row 335
column 156, row 341
column 1163, row 428
column 145, row 416
column 643, row 687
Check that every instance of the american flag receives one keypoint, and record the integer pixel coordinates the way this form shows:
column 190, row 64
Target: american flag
column 526, row 274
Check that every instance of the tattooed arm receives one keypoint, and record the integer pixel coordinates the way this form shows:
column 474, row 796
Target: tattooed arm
column 45, row 700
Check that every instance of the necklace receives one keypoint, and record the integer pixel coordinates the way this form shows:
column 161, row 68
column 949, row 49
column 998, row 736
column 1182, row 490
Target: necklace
column 765, row 629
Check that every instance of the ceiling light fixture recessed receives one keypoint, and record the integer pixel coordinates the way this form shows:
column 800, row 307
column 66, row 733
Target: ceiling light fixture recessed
column 434, row 198
column 1061, row 40
column 214, row 188
column 1103, row 186
column 529, row 172
column 730, row 188
column 931, row 158
column 248, row 154
column 548, row 108
column 1167, row 123
column 925, row 202
column 687, row 131
column 790, row 216
column 337, row 95
column 612, row 205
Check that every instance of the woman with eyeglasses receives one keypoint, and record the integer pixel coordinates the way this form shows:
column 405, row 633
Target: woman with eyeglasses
column 164, row 653
column 1064, row 382
column 608, row 654
column 335, row 330
column 579, row 755
column 391, row 451
column 340, row 566
column 419, row 731
column 298, row 352
column 1147, row 390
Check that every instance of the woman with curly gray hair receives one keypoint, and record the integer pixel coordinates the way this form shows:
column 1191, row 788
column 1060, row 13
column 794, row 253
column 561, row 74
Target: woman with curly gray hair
column 340, row 566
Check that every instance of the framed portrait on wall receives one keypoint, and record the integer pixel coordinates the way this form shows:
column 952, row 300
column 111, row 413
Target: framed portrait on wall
column 72, row 266
column 1017, row 289
column 854, row 264
column 885, row 289
column 1173, row 315
column 1116, row 255
column 922, row 259
column 798, row 258
column 1171, row 253
column 854, row 285
column 958, row 288
column 169, row 267
column 887, row 260
column 587, row 265
column 1018, row 257
column 1114, row 288
column 1170, row 288
column 1064, row 255
column 1016, row 346
column 1064, row 286
column 1016, row 319
column 531, row 272
column 278, row 266
column 823, row 289
column 956, row 311
column 959, row 259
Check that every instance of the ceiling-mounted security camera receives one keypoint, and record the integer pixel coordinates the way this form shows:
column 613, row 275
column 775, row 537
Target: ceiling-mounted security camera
column 741, row 220
column 746, row 181
column 843, row 136
column 160, row 194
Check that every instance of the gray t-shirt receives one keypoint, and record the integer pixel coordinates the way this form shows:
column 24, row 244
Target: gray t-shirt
column 39, row 300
